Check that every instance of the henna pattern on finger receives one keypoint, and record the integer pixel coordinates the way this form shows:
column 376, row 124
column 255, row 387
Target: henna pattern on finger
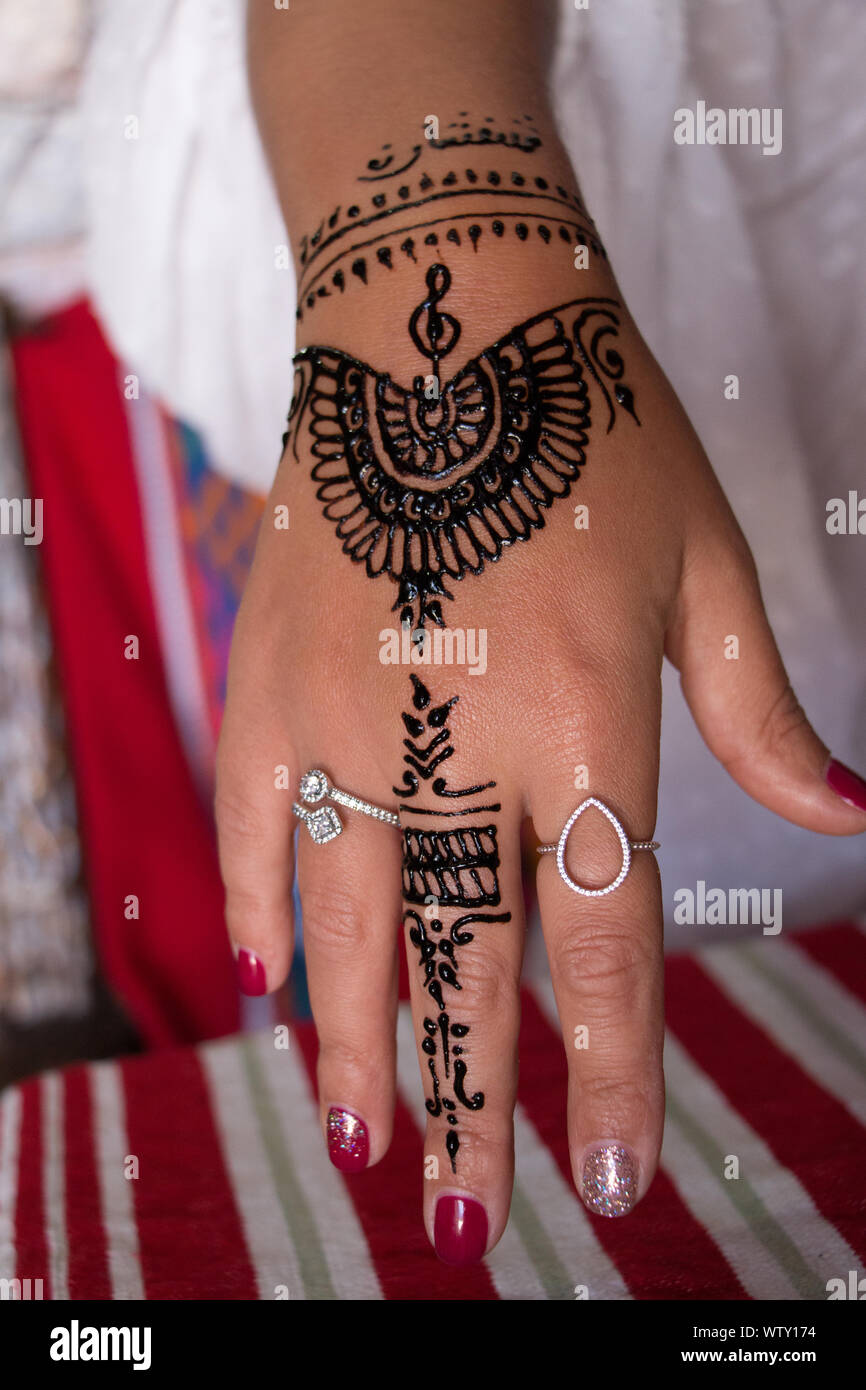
column 417, row 724
column 430, row 483
column 457, row 868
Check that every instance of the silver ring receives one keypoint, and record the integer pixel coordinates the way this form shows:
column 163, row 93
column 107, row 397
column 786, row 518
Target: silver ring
column 628, row 848
column 324, row 824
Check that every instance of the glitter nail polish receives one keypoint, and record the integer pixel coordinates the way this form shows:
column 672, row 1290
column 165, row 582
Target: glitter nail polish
column 348, row 1141
column 609, row 1180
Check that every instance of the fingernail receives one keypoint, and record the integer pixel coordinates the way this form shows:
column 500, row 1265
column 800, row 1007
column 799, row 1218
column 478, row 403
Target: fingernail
column 847, row 784
column 251, row 972
column 609, row 1180
column 348, row 1141
column 459, row 1230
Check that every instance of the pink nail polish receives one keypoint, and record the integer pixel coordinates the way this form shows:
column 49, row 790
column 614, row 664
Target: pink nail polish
column 460, row 1230
column 609, row 1180
column 251, row 972
column 847, row 784
column 348, row 1141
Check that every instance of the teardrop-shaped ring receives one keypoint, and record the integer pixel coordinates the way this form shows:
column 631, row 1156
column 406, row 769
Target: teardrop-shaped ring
column 628, row 847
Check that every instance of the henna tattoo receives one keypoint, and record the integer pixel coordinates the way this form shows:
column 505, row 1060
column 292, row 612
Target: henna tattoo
column 457, row 868
column 420, row 762
column 569, row 232
column 321, row 240
column 546, row 212
column 524, row 138
column 432, row 483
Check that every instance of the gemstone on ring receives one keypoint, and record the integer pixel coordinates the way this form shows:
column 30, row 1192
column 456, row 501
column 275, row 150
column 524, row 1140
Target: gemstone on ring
column 323, row 824
column 314, row 787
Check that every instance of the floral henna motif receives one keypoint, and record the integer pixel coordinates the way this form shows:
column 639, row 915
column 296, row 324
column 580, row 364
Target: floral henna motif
column 430, row 483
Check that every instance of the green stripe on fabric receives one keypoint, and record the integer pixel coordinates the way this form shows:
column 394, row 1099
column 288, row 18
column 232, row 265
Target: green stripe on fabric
column 839, row 1041
column 298, row 1216
column 552, row 1274
column 750, row 1207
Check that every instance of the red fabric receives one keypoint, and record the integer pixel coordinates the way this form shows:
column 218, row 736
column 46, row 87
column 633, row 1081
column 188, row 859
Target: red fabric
column 31, row 1242
column 143, row 826
column 694, row 1266
column 190, row 1237
column 387, row 1200
column 838, row 948
column 88, row 1264
column 825, row 1151
column 186, row 1200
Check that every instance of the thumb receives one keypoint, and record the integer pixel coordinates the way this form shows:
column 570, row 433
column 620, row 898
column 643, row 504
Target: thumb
column 742, row 701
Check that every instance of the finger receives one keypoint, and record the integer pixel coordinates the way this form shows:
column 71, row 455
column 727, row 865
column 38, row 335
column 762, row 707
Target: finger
column 463, row 918
column 742, row 701
column 255, row 771
column 350, row 895
column 605, row 952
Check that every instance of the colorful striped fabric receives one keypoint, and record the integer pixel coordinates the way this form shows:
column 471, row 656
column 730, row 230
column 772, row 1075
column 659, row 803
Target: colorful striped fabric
column 199, row 1173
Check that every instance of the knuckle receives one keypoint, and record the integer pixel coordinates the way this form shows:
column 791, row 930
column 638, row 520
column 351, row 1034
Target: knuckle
column 340, row 1056
column 245, row 905
column 238, row 818
column 485, row 982
column 784, row 719
column 486, row 1149
column 334, row 923
column 600, row 963
column 616, row 1105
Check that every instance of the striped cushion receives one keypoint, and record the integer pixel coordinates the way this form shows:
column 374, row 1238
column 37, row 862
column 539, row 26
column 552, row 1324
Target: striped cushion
column 234, row 1199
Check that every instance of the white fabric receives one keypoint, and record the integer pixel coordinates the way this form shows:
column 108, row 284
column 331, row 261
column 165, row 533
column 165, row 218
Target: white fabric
column 731, row 261
column 184, row 225
column 41, row 201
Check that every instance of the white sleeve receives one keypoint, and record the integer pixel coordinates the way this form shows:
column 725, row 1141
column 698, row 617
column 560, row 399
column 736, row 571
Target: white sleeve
column 187, row 252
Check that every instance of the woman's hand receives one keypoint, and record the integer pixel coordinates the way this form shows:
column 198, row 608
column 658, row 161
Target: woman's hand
column 567, row 433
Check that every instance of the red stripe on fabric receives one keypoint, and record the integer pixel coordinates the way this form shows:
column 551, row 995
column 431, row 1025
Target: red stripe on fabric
column 841, row 949
column 30, row 1238
column 807, row 1129
column 144, row 829
column 190, row 1235
column 88, row 1257
column 660, row 1249
column 387, row 1200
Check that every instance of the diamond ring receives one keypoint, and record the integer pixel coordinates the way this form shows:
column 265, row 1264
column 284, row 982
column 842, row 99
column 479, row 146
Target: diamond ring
column 628, row 848
column 324, row 824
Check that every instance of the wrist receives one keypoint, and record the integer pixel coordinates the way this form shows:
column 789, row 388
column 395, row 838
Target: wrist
column 361, row 276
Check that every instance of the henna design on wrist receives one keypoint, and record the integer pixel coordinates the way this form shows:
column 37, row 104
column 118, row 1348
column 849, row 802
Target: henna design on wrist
column 434, row 482
column 457, row 868
column 547, row 212
column 410, row 195
column 523, row 136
